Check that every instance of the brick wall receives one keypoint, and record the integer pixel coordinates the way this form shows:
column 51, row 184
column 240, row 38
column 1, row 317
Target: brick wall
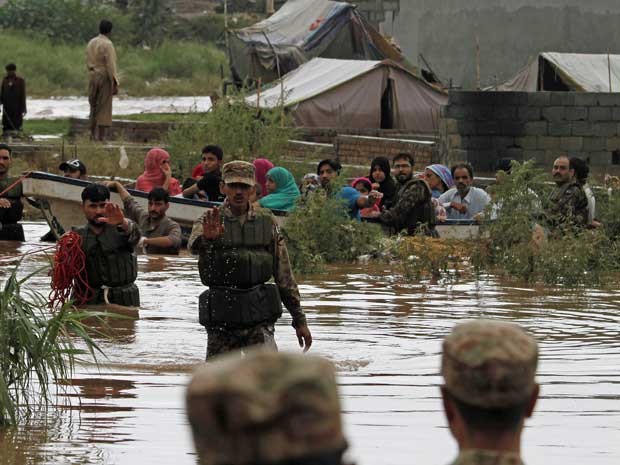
column 360, row 150
column 131, row 131
column 481, row 127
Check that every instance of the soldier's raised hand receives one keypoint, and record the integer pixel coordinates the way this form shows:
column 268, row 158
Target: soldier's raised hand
column 212, row 227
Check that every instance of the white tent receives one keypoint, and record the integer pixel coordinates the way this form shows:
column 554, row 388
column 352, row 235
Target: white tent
column 567, row 71
column 355, row 94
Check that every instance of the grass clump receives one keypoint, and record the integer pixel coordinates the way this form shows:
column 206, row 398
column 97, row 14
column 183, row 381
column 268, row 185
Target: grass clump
column 37, row 348
column 320, row 231
column 58, row 68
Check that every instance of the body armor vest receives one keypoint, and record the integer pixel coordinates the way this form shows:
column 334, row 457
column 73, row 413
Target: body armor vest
column 243, row 257
column 110, row 262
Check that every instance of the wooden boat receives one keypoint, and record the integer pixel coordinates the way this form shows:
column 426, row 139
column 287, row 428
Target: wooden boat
column 60, row 200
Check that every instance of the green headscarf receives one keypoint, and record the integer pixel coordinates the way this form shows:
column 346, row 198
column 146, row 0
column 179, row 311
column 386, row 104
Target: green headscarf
column 286, row 193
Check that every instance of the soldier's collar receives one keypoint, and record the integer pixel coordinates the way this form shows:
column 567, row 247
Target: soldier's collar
column 250, row 214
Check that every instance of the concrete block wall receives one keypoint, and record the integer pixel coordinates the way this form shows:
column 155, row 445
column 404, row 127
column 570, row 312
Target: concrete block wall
column 481, row 127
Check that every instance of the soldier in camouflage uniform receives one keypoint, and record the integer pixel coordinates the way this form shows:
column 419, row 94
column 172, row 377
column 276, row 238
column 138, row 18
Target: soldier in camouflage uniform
column 488, row 369
column 240, row 248
column 412, row 207
column 568, row 204
column 267, row 408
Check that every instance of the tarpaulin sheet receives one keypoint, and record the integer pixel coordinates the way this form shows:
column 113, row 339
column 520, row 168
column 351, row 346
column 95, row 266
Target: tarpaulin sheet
column 347, row 93
column 578, row 71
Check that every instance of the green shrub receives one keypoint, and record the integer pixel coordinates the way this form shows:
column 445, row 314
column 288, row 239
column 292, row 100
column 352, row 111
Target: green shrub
column 320, row 231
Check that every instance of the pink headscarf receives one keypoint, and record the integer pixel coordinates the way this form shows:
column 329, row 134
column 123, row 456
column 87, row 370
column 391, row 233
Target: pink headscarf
column 261, row 166
column 153, row 176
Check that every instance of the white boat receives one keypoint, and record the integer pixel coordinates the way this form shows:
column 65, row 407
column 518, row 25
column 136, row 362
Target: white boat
column 60, row 200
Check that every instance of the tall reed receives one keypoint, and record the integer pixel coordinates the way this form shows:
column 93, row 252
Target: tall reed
column 37, row 348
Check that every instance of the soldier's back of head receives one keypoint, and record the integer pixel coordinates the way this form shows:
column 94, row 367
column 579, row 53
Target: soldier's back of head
column 267, row 408
column 489, row 370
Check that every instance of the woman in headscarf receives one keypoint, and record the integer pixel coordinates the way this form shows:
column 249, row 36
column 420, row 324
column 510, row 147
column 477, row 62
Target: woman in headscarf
column 382, row 181
column 282, row 191
column 439, row 179
column 261, row 166
column 364, row 186
column 157, row 173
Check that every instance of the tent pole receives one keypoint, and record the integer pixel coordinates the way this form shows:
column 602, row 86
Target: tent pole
column 609, row 70
column 279, row 77
column 477, row 62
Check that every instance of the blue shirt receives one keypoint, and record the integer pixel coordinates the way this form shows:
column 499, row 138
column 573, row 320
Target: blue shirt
column 350, row 196
column 476, row 200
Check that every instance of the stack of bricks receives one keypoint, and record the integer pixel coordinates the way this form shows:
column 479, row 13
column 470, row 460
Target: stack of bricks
column 481, row 127
column 360, row 150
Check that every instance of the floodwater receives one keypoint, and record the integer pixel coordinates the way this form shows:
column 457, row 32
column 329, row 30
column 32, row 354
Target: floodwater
column 384, row 336
column 77, row 107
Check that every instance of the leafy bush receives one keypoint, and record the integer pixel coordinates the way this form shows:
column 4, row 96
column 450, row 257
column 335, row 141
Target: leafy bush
column 234, row 126
column 62, row 20
column 320, row 231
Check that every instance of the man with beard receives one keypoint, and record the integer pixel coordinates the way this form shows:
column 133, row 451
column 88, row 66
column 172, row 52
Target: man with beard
column 108, row 241
column 412, row 207
column 160, row 234
column 328, row 170
column 568, row 204
column 11, row 207
column 13, row 100
column 240, row 249
column 464, row 201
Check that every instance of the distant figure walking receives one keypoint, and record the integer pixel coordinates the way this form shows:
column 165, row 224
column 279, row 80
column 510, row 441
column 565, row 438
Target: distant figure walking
column 13, row 100
column 103, row 80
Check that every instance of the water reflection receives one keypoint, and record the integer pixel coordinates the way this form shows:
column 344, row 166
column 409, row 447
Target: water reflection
column 384, row 336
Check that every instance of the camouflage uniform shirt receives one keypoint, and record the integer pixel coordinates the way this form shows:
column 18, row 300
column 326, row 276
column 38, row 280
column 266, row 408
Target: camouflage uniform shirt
column 487, row 457
column 568, row 205
column 283, row 276
column 412, row 205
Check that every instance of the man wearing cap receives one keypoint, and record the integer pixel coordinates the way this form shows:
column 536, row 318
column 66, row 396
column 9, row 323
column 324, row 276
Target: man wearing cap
column 267, row 408
column 73, row 169
column 160, row 234
column 489, row 370
column 240, row 248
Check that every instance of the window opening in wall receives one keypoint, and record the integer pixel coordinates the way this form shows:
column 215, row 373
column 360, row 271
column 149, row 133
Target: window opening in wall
column 615, row 157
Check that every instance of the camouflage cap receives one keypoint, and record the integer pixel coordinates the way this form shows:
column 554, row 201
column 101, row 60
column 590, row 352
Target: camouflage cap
column 265, row 408
column 489, row 364
column 238, row 172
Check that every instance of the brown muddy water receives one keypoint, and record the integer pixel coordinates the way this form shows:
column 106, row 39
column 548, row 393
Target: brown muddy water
column 383, row 334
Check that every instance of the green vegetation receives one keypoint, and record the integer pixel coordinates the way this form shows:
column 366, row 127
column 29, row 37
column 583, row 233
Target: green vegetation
column 37, row 348
column 174, row 68
column 235, row 127
column 46, row 127
column 320, row 231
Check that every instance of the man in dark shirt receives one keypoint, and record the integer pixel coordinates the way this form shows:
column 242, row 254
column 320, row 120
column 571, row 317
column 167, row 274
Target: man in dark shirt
column 11, row 207
column 13, row 100
column 209, row 176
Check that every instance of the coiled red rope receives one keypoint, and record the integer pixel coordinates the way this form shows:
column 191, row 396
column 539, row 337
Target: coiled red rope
column 69, row 272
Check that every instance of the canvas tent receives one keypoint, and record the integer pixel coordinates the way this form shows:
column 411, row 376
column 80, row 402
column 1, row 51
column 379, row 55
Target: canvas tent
column 355, row 94
column 577, row 72
column 300, row 31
